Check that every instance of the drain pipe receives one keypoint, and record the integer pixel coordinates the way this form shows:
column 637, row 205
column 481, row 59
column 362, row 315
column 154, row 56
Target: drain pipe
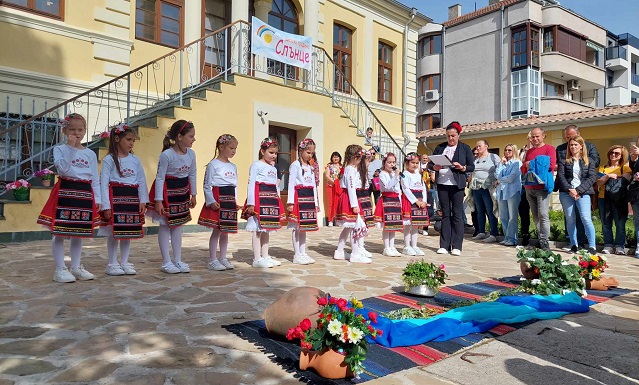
column 501, row 65
column 413, row 13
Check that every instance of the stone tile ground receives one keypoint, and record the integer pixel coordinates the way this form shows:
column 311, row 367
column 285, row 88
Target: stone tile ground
column 159, row 329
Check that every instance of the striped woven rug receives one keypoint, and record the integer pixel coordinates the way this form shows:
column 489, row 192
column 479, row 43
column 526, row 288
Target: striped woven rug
column 381, row 361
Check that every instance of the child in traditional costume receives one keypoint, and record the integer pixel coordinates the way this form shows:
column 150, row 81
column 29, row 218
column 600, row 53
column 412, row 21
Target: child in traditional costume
column 124, row 199
column 263, row 210
column 220, row 206
column 302, row 205
column 72, row 208
column 354, row 206
column 173, row 193
column 414, row 203
column 388, row 210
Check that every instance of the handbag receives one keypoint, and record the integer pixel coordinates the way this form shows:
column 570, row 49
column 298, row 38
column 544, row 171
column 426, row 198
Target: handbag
column 376, row 185
column 616, row 189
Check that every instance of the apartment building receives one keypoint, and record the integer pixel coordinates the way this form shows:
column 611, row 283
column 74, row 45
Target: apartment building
column 622, row 70
column 510, row 59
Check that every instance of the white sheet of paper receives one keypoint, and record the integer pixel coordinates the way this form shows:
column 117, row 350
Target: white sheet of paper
column 441, row 160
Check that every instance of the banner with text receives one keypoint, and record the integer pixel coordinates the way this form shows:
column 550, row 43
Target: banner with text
column 281, row 46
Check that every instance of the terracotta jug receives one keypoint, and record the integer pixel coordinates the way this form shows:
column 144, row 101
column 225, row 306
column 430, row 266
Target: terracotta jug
column 291, row 308
column 601, row 283
column 327, row 363
column 528, row 272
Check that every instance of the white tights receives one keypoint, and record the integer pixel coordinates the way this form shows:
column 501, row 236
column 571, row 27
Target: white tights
column 112, row 250
column 218, row 237
column 260, row 244
column 410, row 236
column 165, row 233
column 58, row 252
column 389, row 239
column 299, row 241
column 341, row 244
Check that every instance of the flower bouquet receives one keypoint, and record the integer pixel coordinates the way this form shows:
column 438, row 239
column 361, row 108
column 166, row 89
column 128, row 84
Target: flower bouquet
column 45, row 175
column 591, row 267
column 546, row 273
column 20, row 189
column 338, row 329
column 419, row 276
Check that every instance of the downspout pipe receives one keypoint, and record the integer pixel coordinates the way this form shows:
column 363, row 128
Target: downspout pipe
column 442, row 70
column 413, row 13
column 501, row 65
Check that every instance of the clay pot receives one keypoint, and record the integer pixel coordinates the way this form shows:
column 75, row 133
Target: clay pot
column 601, row 283
column 327, row 363
column 46, row 182
column 528, row 272
column 291, row 308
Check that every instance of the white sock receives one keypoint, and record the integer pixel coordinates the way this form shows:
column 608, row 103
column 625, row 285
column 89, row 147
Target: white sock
column 413, row 236
column 302, row 240
column 164, row 234
column 391, row 239
column 343, row 236
column 224, row 244
column 407, row 229
column 264, row 239
column 255, row 241
column 112, row 250
column 354, row 246
column 125, row 250
column 386, row 238
column 296, row 241
column 360, row 243
column 213, row 242
column 76, row 252
column 176, row 243
column 58, row 252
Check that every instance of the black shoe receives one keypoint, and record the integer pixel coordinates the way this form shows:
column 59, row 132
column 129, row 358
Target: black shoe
column 543, row 244
column 592, row 251
column 573, row 249
column 526, row 240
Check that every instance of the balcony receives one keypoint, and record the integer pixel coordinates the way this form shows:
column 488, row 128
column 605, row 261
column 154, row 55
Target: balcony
column 628, row 39
column 554, row 105
column 634, row 79
column 561, row 66
column 616, row 58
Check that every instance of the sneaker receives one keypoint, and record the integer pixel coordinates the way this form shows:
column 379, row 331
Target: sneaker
column 301, row 259
column 339, row 255
column 389, row 252
column 637, row 255
column 274, row 261
column 62, row 275
column 365, row 252
column 502, row 241
column 358, row 258
column 311, row 260
column 479, row 236
column 620, row 250
column 592, row 251
column 114, row 269
column 566, row 249
column 418, row 251
column 508, row 243
column 607, row 250
column 490, row 239
column 456, row 252
column 216, row 265
column 409, row 251
column 420, row 231
column 396, row 252
column 183, row 267
column 441, row 250
column 226, row 263
column 263, row 263
column 170, row 268
column 330, row 224
column 128, row 268
column 81, row 274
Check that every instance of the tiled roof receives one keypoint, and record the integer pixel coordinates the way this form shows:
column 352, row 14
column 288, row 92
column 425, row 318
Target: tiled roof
column 480, row 12
column 544, row 120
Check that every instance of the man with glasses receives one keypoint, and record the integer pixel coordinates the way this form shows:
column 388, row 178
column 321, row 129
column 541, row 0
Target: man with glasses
column 374, row 167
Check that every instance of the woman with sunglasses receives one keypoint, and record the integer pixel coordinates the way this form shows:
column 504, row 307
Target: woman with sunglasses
column 509, row 193
column 610, row 208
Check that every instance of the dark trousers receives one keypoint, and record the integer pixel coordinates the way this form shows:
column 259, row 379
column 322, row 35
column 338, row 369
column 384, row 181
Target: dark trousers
column 431, row 211
column 451, row 201
column 376, row 193
column 524, row 213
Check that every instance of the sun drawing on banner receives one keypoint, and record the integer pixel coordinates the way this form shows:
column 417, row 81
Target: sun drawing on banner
column 266, row 34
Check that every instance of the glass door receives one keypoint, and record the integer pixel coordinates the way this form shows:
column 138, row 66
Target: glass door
column 216, row 15
column 287, row 154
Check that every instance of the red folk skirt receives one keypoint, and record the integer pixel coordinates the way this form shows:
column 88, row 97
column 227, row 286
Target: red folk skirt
column 225, row 218
column 412, row 213
column 389, row 211
column 345, row 211
column 176, row 200
column 268, row 210
column 304, row 209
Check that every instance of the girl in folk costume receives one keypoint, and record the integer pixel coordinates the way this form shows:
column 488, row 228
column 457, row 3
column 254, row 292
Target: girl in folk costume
column 388, row 210
column 220, row 208
column 302, row 205
column 414, row 206
column 332, row 174
column 124, row 199
column 173, row 193
column 72, row 208
column 353, row 203
column 263, row 209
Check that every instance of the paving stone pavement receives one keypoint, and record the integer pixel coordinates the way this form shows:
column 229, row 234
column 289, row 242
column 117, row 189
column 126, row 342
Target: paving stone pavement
column 160, row 329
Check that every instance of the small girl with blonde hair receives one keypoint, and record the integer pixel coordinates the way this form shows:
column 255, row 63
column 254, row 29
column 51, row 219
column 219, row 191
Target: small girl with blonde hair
column 414, row 206
column 388, row 210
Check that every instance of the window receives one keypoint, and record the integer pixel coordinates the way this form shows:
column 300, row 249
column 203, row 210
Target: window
column 525, row 46
column 159, row 21
column 342, row 56
column 384, row 72
column 429, row 82
column 52, row 8
column 283, row 16
column 429, row 45
column 571, row 44
column 428, row 122
column 549, row 40
column 553, row 89
column 525, row 92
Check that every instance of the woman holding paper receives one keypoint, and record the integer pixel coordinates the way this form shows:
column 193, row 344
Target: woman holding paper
column 451, row 181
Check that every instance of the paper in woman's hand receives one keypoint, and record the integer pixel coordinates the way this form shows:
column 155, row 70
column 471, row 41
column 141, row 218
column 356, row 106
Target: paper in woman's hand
column 441, row 160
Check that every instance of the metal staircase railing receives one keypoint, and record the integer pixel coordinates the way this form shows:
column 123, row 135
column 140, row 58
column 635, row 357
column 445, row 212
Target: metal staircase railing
column 26, row 142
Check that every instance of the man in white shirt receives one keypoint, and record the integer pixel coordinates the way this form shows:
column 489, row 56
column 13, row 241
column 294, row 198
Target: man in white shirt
column 374, row 167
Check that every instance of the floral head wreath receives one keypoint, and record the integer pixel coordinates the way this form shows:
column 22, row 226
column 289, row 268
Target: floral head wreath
column 268, row 142
column 369, row 153
column 305, row 143
column 386, row 155
column 67, row 119
column 223, row 139
column 411, row 156
column 361, row 153
column 120, row 129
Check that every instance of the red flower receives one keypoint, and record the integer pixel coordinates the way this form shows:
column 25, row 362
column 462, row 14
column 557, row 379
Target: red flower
column 322, row 301
column 371, row 329
column 321, row 315
column 351, row 310
column 593, row 263
column 380, row 332
column 332, row 300
column 305, row 324
column 306, row 345
column 341, row 303
column 320, row 325
column 372, row 316
column 583, row 264
column 329, row 316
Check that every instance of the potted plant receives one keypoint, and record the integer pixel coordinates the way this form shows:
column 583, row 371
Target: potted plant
column 104, row 135
column 423, row 278
column 591, row 267
column 20, row 189
column 45, row 175
column 546, row 273
column 337, row 346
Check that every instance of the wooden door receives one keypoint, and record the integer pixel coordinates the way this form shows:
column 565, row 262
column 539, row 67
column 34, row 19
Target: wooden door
column 287, row 154
column 215, row 49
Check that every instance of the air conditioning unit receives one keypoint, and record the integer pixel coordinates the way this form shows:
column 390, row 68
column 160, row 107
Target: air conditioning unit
column 431, row 95
column 573, row 85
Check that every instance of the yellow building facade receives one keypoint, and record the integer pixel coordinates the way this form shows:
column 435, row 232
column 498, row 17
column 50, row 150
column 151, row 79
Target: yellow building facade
column 149, row 63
